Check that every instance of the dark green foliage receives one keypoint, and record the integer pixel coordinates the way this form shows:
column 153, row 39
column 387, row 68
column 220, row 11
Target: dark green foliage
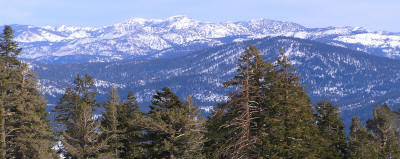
column 384, row 130
column 130, row 120
column 112, row 130
column 269, row 115
column 331, row 128
column 9, row 49
column 317, row 63
column 290, row 131
column 239, row 118
column 25, row 133
column 122, row 127
column 80, row 128
column 195, row 137
column 379, row 138
column 33, row 138
column 164, row 100
column 172, row 128
column 9, row 80
column 216, row 135
column 361, row 143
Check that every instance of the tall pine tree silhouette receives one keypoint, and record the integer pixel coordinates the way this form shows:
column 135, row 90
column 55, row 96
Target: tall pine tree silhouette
column 290, row 130
column 239, row 118
column 24, row 131
column 384, row 129
column 131, row 121
column 172, row 127
column 331, row 128
column 80, row 128
column 111, row 124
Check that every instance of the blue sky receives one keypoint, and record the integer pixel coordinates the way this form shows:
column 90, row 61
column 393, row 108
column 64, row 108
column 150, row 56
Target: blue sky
column 374, row 14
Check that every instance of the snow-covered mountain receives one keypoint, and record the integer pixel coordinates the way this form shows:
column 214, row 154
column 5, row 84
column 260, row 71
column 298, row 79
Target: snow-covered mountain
column 139, row 38
column 354, row 80
column 337, row 63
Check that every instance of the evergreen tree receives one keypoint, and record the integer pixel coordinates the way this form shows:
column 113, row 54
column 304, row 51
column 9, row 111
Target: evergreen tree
column 111, row 124
column 33, row 135
column 384, row 128
column 25, row 133
column 290, row 131
column 81, row 129
column 242, row 113
column 9, row 49
column 122, row 127
column 195, row 126
column 216, row 135
column 269, row 116
column 361, row 143
column 130, row 119
column 172, row 128
column 331, row 128
column 9, row 80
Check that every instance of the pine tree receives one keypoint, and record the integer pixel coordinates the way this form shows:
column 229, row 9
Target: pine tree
column 242, row 113
column 9, row 80
column 195, row 126
column 361, row 143
column 122, row 127
column 290, row 131
column 80, row 128
column 25, row 133
column 216, row 135
column 33, row 136
column 172, row 129
column 385, row 130
column 331, row 128
column 9, row 49
column 130, row 119
column 111, row 124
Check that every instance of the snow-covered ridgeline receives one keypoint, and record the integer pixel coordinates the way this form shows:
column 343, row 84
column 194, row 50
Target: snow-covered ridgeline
column 141, row 37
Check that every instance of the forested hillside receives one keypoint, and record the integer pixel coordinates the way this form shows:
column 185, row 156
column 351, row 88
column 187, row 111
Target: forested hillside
column 354, row 80
column 265, row 108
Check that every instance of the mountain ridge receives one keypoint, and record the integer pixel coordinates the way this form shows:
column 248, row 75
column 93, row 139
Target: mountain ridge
column 353, row 79
column 149, row 38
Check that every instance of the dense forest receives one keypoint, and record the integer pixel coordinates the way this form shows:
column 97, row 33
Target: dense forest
column 269, row 115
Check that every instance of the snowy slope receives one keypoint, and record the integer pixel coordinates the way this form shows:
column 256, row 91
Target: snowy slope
column 178, row 35
column 353, row 79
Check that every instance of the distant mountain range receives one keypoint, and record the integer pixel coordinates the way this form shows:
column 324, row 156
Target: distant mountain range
column 139, row 38
column 353, row 67
column 355, row 80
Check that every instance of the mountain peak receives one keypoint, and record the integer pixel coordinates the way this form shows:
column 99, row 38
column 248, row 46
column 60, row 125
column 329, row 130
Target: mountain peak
column 178, row 17
column 142, row 36
column 182, row 22
column 139, row 20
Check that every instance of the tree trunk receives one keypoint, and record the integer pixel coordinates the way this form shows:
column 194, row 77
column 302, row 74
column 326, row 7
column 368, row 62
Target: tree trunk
column 116, row 153
column 3, row 136
column 3, row 129
column 247, row 111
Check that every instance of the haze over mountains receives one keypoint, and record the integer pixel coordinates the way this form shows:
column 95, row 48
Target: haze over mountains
column 354, row 67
